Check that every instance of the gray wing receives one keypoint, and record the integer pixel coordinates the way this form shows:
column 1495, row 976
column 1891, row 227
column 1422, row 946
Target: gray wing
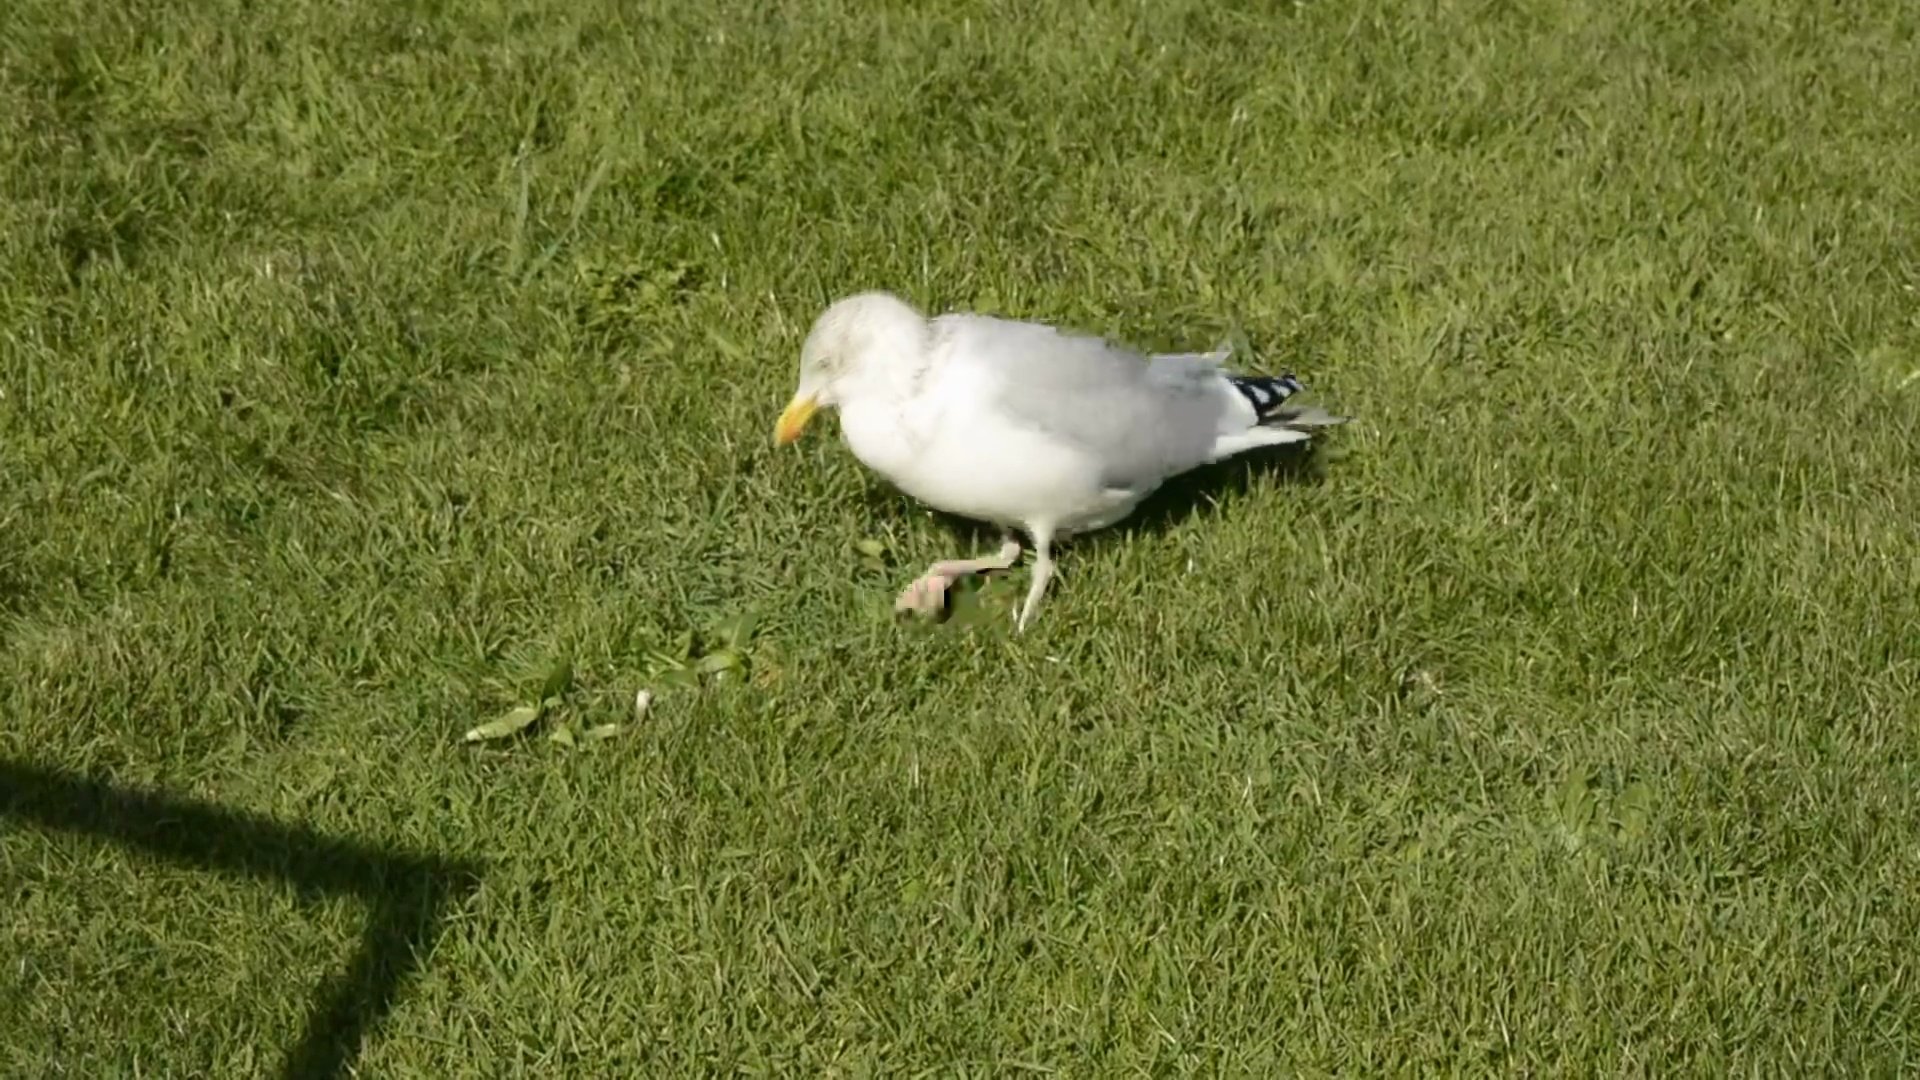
column 1143, row 418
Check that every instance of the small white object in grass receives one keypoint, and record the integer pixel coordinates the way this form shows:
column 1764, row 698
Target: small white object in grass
column 642, row 701
column 510, row 724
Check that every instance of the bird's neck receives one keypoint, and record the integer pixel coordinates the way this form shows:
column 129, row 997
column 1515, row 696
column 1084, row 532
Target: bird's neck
column 879, row 432
column 880, row 408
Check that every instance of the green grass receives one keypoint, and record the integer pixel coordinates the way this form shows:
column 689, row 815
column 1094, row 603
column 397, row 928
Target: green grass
column 358, row 359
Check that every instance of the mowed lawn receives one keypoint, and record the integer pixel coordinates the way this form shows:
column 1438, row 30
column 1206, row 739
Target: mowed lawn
column 363, row 364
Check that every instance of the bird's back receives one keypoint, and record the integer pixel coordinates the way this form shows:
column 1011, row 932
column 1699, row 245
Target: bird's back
column 1142, row 419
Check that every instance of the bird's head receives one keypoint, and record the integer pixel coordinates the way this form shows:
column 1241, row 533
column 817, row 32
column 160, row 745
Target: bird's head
column 861, row 342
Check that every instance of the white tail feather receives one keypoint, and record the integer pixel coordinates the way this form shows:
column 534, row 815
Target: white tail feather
column 1239, row 442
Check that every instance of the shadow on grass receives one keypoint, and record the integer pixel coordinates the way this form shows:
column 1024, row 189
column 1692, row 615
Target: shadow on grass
column 1200, row 490
column 408, row 894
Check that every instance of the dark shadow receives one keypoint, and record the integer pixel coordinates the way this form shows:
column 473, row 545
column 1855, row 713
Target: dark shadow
column 408, row 893
column 1200, row 490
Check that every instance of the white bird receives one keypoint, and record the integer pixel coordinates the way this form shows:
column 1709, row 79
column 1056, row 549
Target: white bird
column 1023, row 425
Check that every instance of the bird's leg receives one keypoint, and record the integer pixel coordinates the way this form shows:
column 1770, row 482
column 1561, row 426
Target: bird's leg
column 928, row 593
column 1042, row 573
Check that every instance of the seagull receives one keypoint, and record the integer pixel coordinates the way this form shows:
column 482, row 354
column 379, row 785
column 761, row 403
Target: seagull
column 1023, row 425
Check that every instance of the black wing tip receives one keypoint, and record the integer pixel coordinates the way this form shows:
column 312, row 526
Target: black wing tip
column 1267, row 393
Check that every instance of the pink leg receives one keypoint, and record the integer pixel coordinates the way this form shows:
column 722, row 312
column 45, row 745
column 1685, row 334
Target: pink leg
column 928, row 593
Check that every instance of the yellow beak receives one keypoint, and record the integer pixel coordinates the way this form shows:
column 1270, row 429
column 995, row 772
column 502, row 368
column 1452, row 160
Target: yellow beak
column 794, row 420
